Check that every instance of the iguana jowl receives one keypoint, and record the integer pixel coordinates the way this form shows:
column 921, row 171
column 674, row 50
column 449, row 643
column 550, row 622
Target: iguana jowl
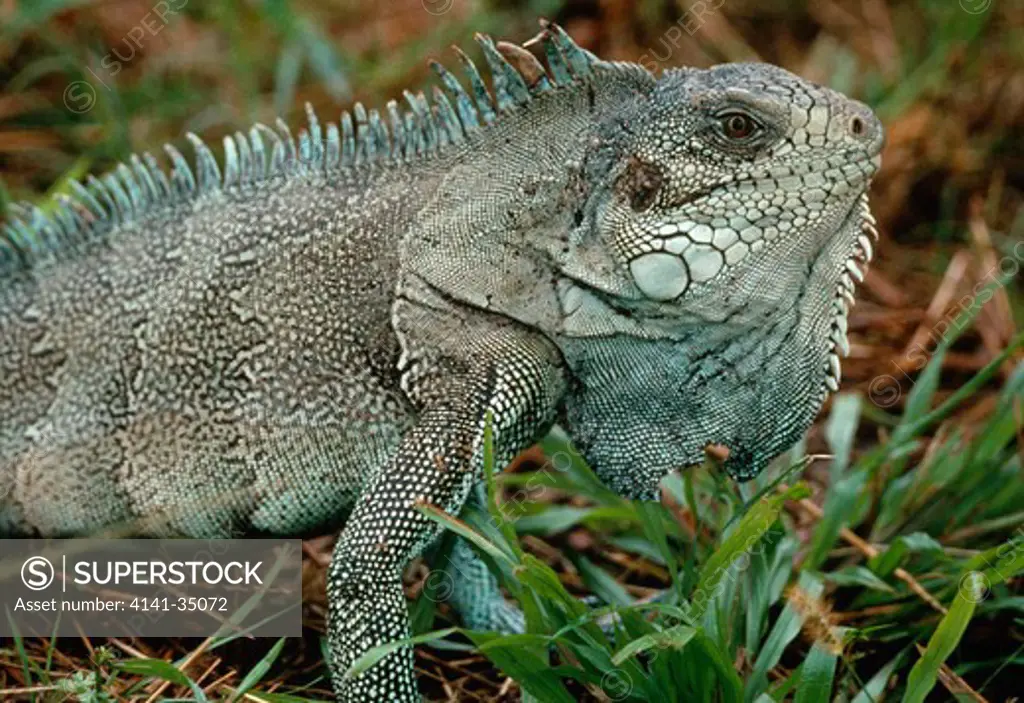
column 313, row 336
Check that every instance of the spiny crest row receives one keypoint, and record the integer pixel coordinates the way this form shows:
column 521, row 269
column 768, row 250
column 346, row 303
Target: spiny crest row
column 132, row 189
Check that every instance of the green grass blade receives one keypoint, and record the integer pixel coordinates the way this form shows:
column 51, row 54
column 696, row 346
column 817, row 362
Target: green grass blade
column 916, row 427
column 748, row 534
column 525, row 659
column 726, row 682
column 50, row 649
column 541, row 581
column 465, row 531
column 816, row 676
column 838, row 511
column 370, row 657
column 1009, row 561
column 651, row 517
column 19, row 646
column 281, row 698
column 163, row 670
column 674, row 638
column 840, row 431
column 874, row 688
column 259, row 670
column 947, row 636
column 785, row 630
column 601, row 583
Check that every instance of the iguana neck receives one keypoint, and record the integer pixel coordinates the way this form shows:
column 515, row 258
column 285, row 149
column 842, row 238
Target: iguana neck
column 491, row 234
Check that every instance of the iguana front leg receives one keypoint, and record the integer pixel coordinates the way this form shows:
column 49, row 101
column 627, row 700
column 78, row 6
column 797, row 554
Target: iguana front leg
column 458, row 371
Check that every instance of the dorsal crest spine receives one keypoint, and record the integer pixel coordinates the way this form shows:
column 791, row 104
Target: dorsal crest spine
column 95, row 209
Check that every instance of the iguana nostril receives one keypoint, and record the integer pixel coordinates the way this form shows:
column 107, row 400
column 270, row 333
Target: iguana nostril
column 865, row 127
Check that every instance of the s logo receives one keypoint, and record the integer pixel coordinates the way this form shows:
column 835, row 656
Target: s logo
column 37, row 573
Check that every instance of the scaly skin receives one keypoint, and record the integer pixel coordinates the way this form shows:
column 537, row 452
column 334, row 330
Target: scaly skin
column 314, row 338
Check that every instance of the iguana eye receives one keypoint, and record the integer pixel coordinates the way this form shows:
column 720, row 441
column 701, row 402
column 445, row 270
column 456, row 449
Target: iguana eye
column 736, row 125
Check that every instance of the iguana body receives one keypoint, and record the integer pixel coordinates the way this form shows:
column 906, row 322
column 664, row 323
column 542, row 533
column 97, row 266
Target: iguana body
column 314, row 337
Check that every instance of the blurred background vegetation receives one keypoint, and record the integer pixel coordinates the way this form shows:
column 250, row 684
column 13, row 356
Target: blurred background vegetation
column 922, row 482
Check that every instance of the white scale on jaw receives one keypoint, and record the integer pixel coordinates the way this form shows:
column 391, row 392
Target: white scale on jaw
column 664, row 276
column 839, row 345
column 692, row 252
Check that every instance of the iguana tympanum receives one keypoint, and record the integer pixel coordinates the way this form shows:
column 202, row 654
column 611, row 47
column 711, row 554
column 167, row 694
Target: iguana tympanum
column 311, row 335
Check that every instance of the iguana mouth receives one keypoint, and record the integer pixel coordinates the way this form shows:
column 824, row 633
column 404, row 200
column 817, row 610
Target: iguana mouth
column 689, row 224
column 857, row 169
column 851, row 274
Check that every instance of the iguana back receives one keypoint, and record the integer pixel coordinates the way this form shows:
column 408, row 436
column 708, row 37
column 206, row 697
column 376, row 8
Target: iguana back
column 176, row 367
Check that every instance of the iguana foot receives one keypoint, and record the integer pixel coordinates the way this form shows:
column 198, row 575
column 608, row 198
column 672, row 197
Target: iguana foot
column 476, row 595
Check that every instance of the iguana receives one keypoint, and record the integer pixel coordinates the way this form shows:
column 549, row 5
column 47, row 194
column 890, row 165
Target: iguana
column 311, row 336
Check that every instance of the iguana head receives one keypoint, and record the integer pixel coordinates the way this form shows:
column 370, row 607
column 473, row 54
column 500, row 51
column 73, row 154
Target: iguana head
column 710, row 275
